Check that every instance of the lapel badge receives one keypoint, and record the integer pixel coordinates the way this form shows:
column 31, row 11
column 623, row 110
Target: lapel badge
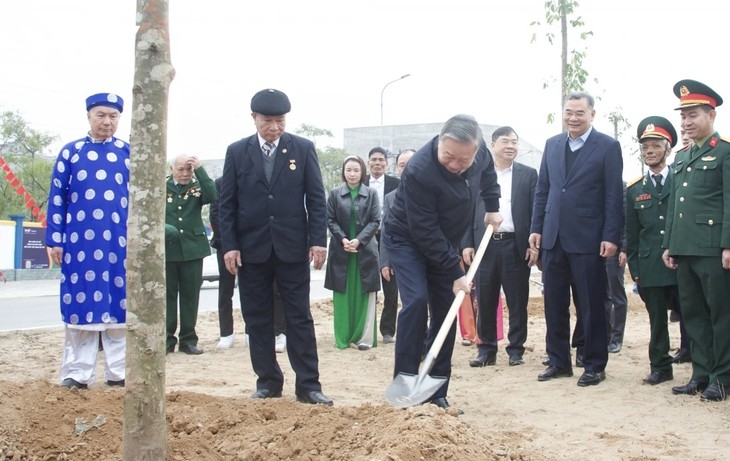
column 169, row 197
column 708, row 159
column 284, row 150
column 292, row 165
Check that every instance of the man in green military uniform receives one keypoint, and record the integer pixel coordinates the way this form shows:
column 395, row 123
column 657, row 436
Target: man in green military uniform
column 186, row 244
column 697, row 240
column 647, row 200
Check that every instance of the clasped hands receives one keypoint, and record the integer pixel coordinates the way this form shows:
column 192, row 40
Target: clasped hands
column 350, row 246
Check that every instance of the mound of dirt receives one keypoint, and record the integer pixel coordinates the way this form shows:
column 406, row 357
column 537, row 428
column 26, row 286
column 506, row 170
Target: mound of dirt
column 41, row 421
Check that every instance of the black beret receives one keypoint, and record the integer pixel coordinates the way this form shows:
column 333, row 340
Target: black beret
column 692, row 93
column 658, row 128
column 270, row 102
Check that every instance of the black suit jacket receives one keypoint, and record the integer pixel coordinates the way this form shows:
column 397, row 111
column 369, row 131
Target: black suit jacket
column 287, row 214
column 391, row 183
column 524, row 181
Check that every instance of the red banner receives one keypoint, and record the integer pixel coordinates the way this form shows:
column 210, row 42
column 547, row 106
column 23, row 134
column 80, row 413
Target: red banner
column 14, row 181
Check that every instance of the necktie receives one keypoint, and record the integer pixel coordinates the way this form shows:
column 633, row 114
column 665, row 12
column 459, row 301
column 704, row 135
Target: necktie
column 657, row 182
column 267, row 148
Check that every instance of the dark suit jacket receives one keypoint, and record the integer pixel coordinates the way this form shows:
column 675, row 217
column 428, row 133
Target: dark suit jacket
column 433, row 207
column 584, row 206
column 524, row 181
column 391, row 183
column 286, row 214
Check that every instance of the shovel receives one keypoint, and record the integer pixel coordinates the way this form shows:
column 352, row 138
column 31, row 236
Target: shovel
column 408, row 390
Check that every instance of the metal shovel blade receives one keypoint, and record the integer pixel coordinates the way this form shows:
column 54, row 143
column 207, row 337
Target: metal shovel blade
column 408, row 390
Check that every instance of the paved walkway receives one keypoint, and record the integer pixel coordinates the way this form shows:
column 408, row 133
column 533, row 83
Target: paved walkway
column 29, row 288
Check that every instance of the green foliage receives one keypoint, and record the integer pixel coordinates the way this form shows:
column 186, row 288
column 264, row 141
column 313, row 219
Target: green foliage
column 312, row 132
column 330, row 158
column 573, row 73
column 330, row 163
column 22, row 148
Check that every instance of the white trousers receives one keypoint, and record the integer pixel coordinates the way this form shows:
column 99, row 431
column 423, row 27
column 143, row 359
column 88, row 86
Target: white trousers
column 81, row 349
column 368, row 332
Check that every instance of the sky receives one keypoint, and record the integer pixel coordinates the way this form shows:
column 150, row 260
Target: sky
column 333, row 59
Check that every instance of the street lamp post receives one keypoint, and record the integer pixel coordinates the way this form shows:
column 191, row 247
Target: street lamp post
column 381, row 105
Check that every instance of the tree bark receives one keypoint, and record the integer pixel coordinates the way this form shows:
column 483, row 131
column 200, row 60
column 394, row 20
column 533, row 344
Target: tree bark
column 145, row 426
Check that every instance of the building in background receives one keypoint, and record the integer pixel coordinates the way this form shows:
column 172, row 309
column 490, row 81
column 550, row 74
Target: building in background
column 359, row 141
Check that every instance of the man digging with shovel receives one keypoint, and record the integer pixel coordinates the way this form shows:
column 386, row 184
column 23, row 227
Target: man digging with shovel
column 433, row 203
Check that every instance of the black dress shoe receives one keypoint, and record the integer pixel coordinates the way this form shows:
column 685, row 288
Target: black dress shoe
column 190, row 349
column 482, row 360
column 614, row 347
column 515, row 359
column 657, row 377
column 441, row 402
column 552, row 372
column 314, row 398
column 169, row 349
column 266, row 394
column 579, row 360
column 70, row 383
column 591, row 378
column 111, row 383
column 715, row 392
column 682, row 356
column 693, row 387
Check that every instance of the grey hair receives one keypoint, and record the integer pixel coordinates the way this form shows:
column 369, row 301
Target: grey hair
column 463, row 129
column 580, row 95
column 174, row 160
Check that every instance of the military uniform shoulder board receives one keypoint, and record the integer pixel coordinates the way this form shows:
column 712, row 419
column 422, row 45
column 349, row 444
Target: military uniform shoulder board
column 726, row 139
column 684, row 149
column 634, row 181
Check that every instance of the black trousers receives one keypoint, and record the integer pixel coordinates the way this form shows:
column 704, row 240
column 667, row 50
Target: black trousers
column 390, row 303
column 256, row 283
column 587, row 274
column 226, row 285
column 616, row 303
column 503, row 268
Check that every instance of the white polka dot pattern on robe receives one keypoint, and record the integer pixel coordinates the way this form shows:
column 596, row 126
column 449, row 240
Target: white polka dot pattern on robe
column 87, row 211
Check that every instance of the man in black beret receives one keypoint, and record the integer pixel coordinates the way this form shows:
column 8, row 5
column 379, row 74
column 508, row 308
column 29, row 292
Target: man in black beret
column 273, row 225
column 697, row 240
column 647, row 199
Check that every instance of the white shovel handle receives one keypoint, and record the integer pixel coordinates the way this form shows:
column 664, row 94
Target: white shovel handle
column 451, row 315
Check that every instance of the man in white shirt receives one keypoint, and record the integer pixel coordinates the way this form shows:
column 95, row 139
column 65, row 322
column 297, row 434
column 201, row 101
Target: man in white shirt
column 383, row 184
column 508, row 259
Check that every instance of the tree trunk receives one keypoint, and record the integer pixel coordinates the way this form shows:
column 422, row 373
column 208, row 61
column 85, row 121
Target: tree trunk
column 563, row 55
column 145, row 427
